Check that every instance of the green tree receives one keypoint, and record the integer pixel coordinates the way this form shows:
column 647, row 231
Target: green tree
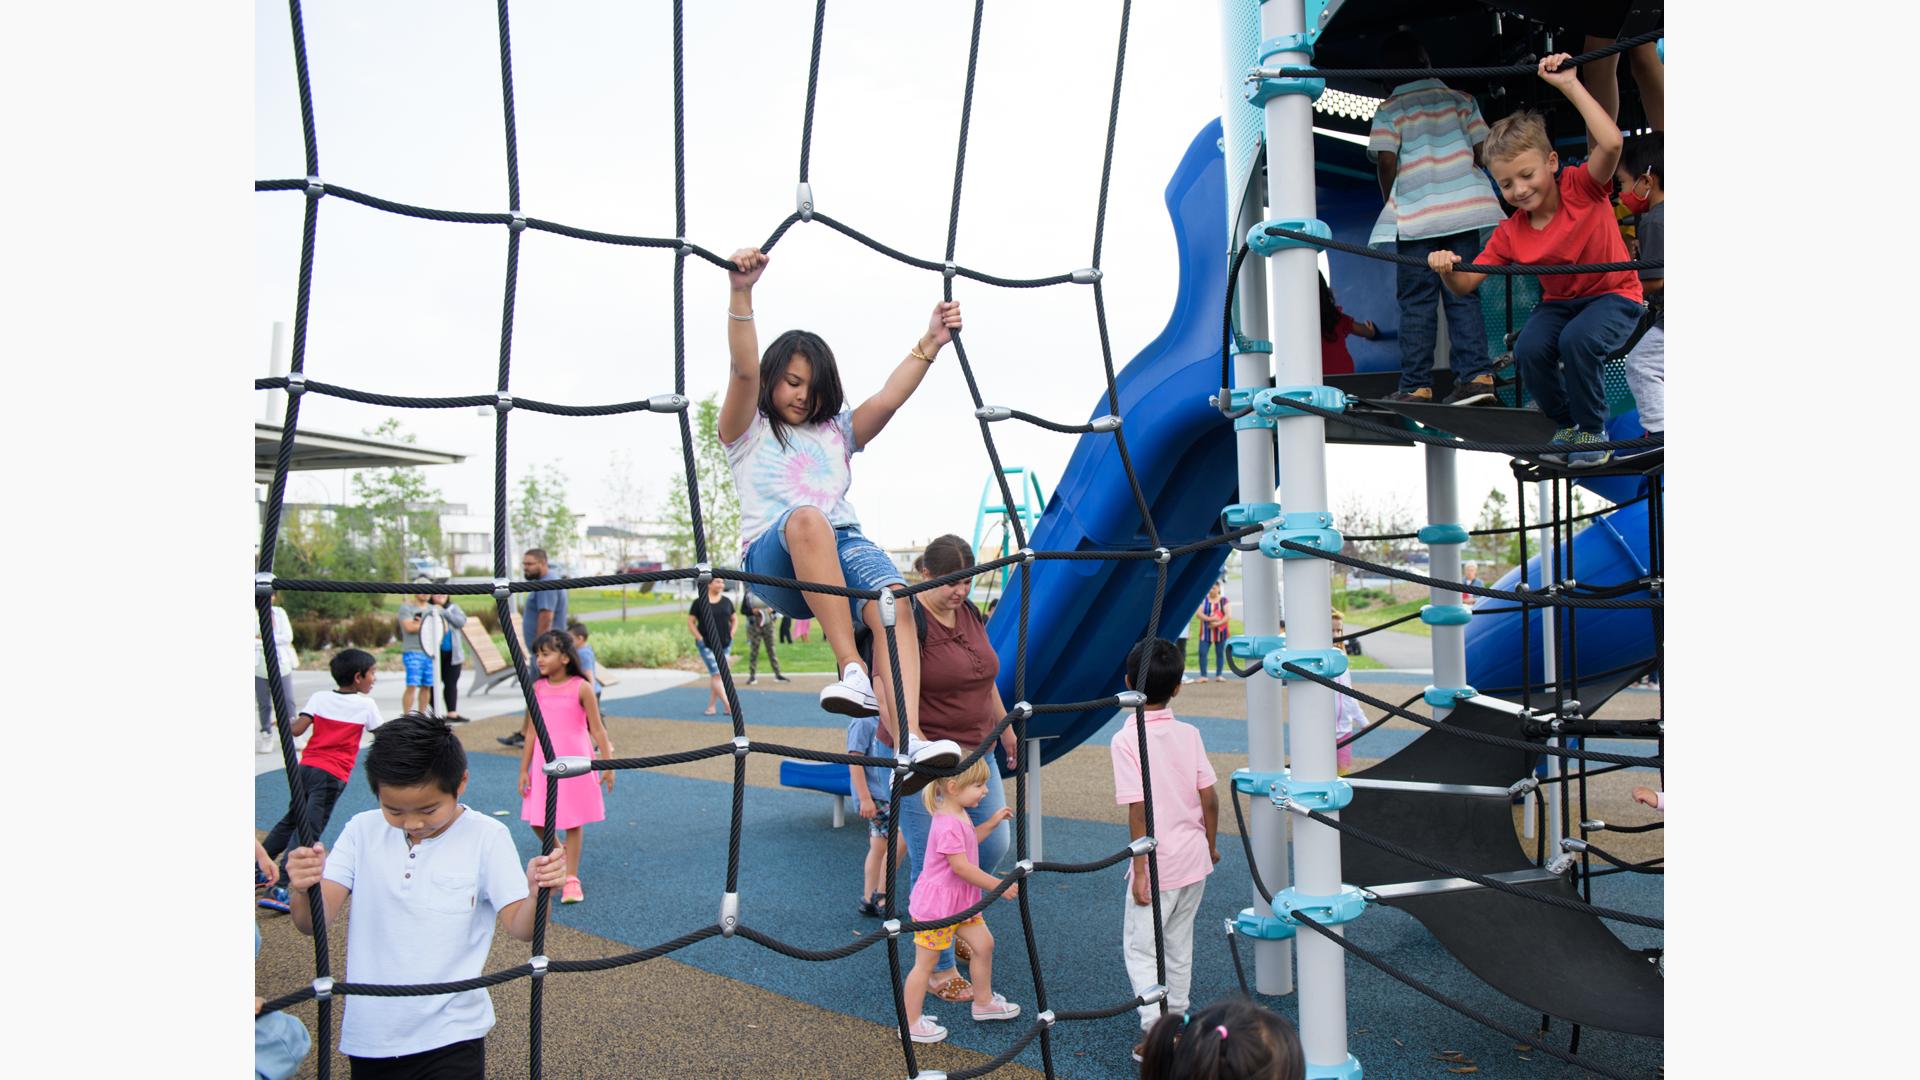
column 624, row 503
column 539, row 516
column 719, row 503
column 395, row 512
column 318, row 545
column 1503, row 549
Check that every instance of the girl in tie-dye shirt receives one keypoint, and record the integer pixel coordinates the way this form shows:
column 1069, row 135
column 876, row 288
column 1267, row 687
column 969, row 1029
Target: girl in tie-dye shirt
column 790, row 439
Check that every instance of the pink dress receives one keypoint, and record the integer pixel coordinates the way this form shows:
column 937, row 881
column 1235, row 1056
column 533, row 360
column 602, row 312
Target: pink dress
column 579, row 799
column 939, row 892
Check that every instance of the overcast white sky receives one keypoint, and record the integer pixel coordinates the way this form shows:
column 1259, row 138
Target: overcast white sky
column 407, row 100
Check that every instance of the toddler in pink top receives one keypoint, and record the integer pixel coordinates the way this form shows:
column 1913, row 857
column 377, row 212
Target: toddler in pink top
column 1186, row 816
column 950, row 882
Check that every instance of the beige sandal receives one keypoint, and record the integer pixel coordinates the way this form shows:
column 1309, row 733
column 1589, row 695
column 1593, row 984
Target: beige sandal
column 954, row 989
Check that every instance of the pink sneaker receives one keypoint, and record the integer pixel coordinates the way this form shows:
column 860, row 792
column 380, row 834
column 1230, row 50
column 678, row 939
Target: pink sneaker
column 570, row 892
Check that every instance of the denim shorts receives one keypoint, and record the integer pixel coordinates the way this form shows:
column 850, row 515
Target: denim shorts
column 419, row 668
column 862, row 564
column 706, row 657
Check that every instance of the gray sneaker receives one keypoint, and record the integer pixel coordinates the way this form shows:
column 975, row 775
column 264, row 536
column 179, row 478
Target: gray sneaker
column 1587, row 459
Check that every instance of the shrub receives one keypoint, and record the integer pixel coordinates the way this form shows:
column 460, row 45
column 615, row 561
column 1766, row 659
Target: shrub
column 311, row 634
column 484, row 610
column 1360, row 598
column 636, row 647
column 370, row 629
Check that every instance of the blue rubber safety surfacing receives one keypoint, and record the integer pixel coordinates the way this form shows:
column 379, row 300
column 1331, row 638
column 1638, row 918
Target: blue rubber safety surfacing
column 658, row 863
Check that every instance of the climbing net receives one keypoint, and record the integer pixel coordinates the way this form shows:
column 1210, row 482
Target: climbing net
column 729, row 924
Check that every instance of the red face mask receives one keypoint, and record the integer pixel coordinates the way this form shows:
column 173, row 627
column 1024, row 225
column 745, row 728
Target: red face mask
column 1635, row 202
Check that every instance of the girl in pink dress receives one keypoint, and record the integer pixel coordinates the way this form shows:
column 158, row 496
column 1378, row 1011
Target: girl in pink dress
column 950, row 882
column 572, row 716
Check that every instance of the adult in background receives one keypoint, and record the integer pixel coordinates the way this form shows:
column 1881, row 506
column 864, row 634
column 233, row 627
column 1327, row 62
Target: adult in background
column 453, row 654
column 958, row 701
column 1472, row 578
column 712, row 621
column 413, row 654
column 542, row 612
column 759, row 619
column 262, row 692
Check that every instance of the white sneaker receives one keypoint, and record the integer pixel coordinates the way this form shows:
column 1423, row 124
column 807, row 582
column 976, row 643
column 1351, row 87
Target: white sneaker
column 998, row 1009
column 851, row 694
column 938, row 754
column 926, row 1031
column 264, row 742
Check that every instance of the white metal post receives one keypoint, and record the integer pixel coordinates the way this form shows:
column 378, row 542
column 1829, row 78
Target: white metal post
column 1295, row 295
column 275, row 406
column 1549, row 666
column 1443, row 508
column 1260, row 614
column 1030, row 756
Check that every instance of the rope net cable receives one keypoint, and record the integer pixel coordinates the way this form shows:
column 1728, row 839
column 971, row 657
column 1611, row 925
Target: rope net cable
column 314, row 190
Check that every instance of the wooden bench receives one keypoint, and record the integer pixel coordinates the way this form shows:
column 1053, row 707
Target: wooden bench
column 493, row 668
column 820, row 776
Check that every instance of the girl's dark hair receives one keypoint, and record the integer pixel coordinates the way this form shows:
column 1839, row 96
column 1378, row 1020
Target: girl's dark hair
column 1165, row 665
column 558, row 641
column 944, row 555
column 1329, row 311
column 1404, row 49
column 1228, row 1040
column 413, row 749
column 1643, row 154
column 824, row 396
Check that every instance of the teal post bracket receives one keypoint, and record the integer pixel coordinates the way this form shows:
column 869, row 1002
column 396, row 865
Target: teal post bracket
column 1255, row 647
column 1312, row 528
column 1262, row 927
column 1346, row 1070
column 1444, row 697
column 1326, row 663
column 1446, row 614
column 1248, row 782
column 1342, row 907
column 1443, row 534
column 1241, row 515
column 1245, row 344
column 1325, row 796
column 1278, row 401
column 1260, row 243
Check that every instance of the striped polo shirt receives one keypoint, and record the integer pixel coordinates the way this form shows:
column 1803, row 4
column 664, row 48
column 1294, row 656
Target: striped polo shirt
column 1437, row 191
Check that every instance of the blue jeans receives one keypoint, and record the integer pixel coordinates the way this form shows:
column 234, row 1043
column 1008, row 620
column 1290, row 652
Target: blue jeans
column 1219, row 648
column 862, row 564
column 916, row 821
column 1418, row 289
column 1564, row 348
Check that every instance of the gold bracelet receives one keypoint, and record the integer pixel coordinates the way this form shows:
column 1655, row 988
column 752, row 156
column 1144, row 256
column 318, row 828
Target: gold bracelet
column 915, row 353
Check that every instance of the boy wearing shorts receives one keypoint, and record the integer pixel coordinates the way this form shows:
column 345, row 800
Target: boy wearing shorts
column 872, row 786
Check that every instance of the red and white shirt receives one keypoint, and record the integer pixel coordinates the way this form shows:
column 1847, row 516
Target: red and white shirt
column 339, row 719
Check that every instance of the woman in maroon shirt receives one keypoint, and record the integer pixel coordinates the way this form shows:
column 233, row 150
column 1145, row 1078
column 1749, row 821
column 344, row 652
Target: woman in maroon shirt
column 958, row 701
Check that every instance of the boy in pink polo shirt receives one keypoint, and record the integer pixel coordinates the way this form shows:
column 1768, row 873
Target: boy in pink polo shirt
column 1186, row 818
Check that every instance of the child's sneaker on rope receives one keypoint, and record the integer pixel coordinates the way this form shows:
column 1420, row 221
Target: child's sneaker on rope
column 997, row 1009
column 275, row 899
column 926, row 1031
column 1475, row 391
column 1561, row 437
column 570, row 892
column 1418, row 393
column 1587, row 459
column 851, row 694
column 938, row 754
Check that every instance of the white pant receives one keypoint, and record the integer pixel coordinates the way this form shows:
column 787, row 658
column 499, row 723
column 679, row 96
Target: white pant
column 1177, row 909
column 1647, row 378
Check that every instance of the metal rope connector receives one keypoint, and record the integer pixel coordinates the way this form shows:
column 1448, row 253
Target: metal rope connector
column 1592, row 825
column 1023, row 868
column 1087, row 275
column 539, row 965
column 991, row 413
column 887, row 611
column 577, row 765
column 296, row 382
column 1130, row 699
column 1561, row 863
column 1162, row 555
column 1153, row 994
column 729, row 913
column 1047, row 1018
column 323, row 988
column 950, row 271
column 501, row 588
column 928, row 1074
column 892, row 927
column 684, row 248
column 517, row 222
column 503, row 402
column 1105, row 423
column 315, row 188
column 1143, row 845
column 1022, row 710
column 1230, row 926
column 902, row 764
column 263, row 583
column 1573, row 844
column 1026, row 556
column 706, row 572
column 803, row 201
column 1522, row 787
column 671, row 403
column 741, row 745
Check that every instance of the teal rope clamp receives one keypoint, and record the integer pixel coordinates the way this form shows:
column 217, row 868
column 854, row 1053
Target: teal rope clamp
column 1241, row 515
column 1325, row 796
column 1264, row 245
column 1346, row 1070
column 1311, row 528
column 1255, row 647
column 1446, row 697
column 1443, row 534
column 1245, row 344
column 1250, row 923
column 1326, row 663
column 1342, row 907
column 1446, row 614
column 1248, row 782
column 1277, row 401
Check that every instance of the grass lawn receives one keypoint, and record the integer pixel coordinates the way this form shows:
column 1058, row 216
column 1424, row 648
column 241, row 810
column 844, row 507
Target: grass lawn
column 1374, row 616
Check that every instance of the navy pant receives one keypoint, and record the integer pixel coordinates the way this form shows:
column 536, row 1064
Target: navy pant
column 1563, row 350
column 323, row 790
column 1419, row 290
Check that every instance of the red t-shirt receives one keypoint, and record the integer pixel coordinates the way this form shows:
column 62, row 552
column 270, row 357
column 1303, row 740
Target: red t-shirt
column 1583, row 230
column 339, row 719
column 1334, row 357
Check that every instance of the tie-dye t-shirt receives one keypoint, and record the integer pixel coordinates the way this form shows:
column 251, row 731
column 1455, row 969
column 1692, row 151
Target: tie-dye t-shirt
column 811, row 470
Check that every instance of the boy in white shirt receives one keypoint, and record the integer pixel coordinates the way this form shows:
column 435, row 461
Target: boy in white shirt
column 428, row 880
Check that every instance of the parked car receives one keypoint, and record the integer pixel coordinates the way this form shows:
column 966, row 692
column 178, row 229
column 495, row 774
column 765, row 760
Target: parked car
column 641, row 566
column 425, row 566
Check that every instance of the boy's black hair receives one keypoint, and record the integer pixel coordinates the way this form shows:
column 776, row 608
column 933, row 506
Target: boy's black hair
column 1233, row 1039
column 1404, row 50
column 1329, row 312
column 414, row 749
column 349, row 664
column 578, row 629
column 825, row 398
column 1643, row 154
column 1165, row 665
column 559, row 642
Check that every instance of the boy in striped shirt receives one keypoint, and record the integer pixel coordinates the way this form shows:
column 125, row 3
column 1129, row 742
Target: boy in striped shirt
column 1426, row 147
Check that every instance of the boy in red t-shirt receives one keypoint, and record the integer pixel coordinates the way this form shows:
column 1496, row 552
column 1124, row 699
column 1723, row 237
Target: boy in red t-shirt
column 338, row 718
column 1582, row 318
